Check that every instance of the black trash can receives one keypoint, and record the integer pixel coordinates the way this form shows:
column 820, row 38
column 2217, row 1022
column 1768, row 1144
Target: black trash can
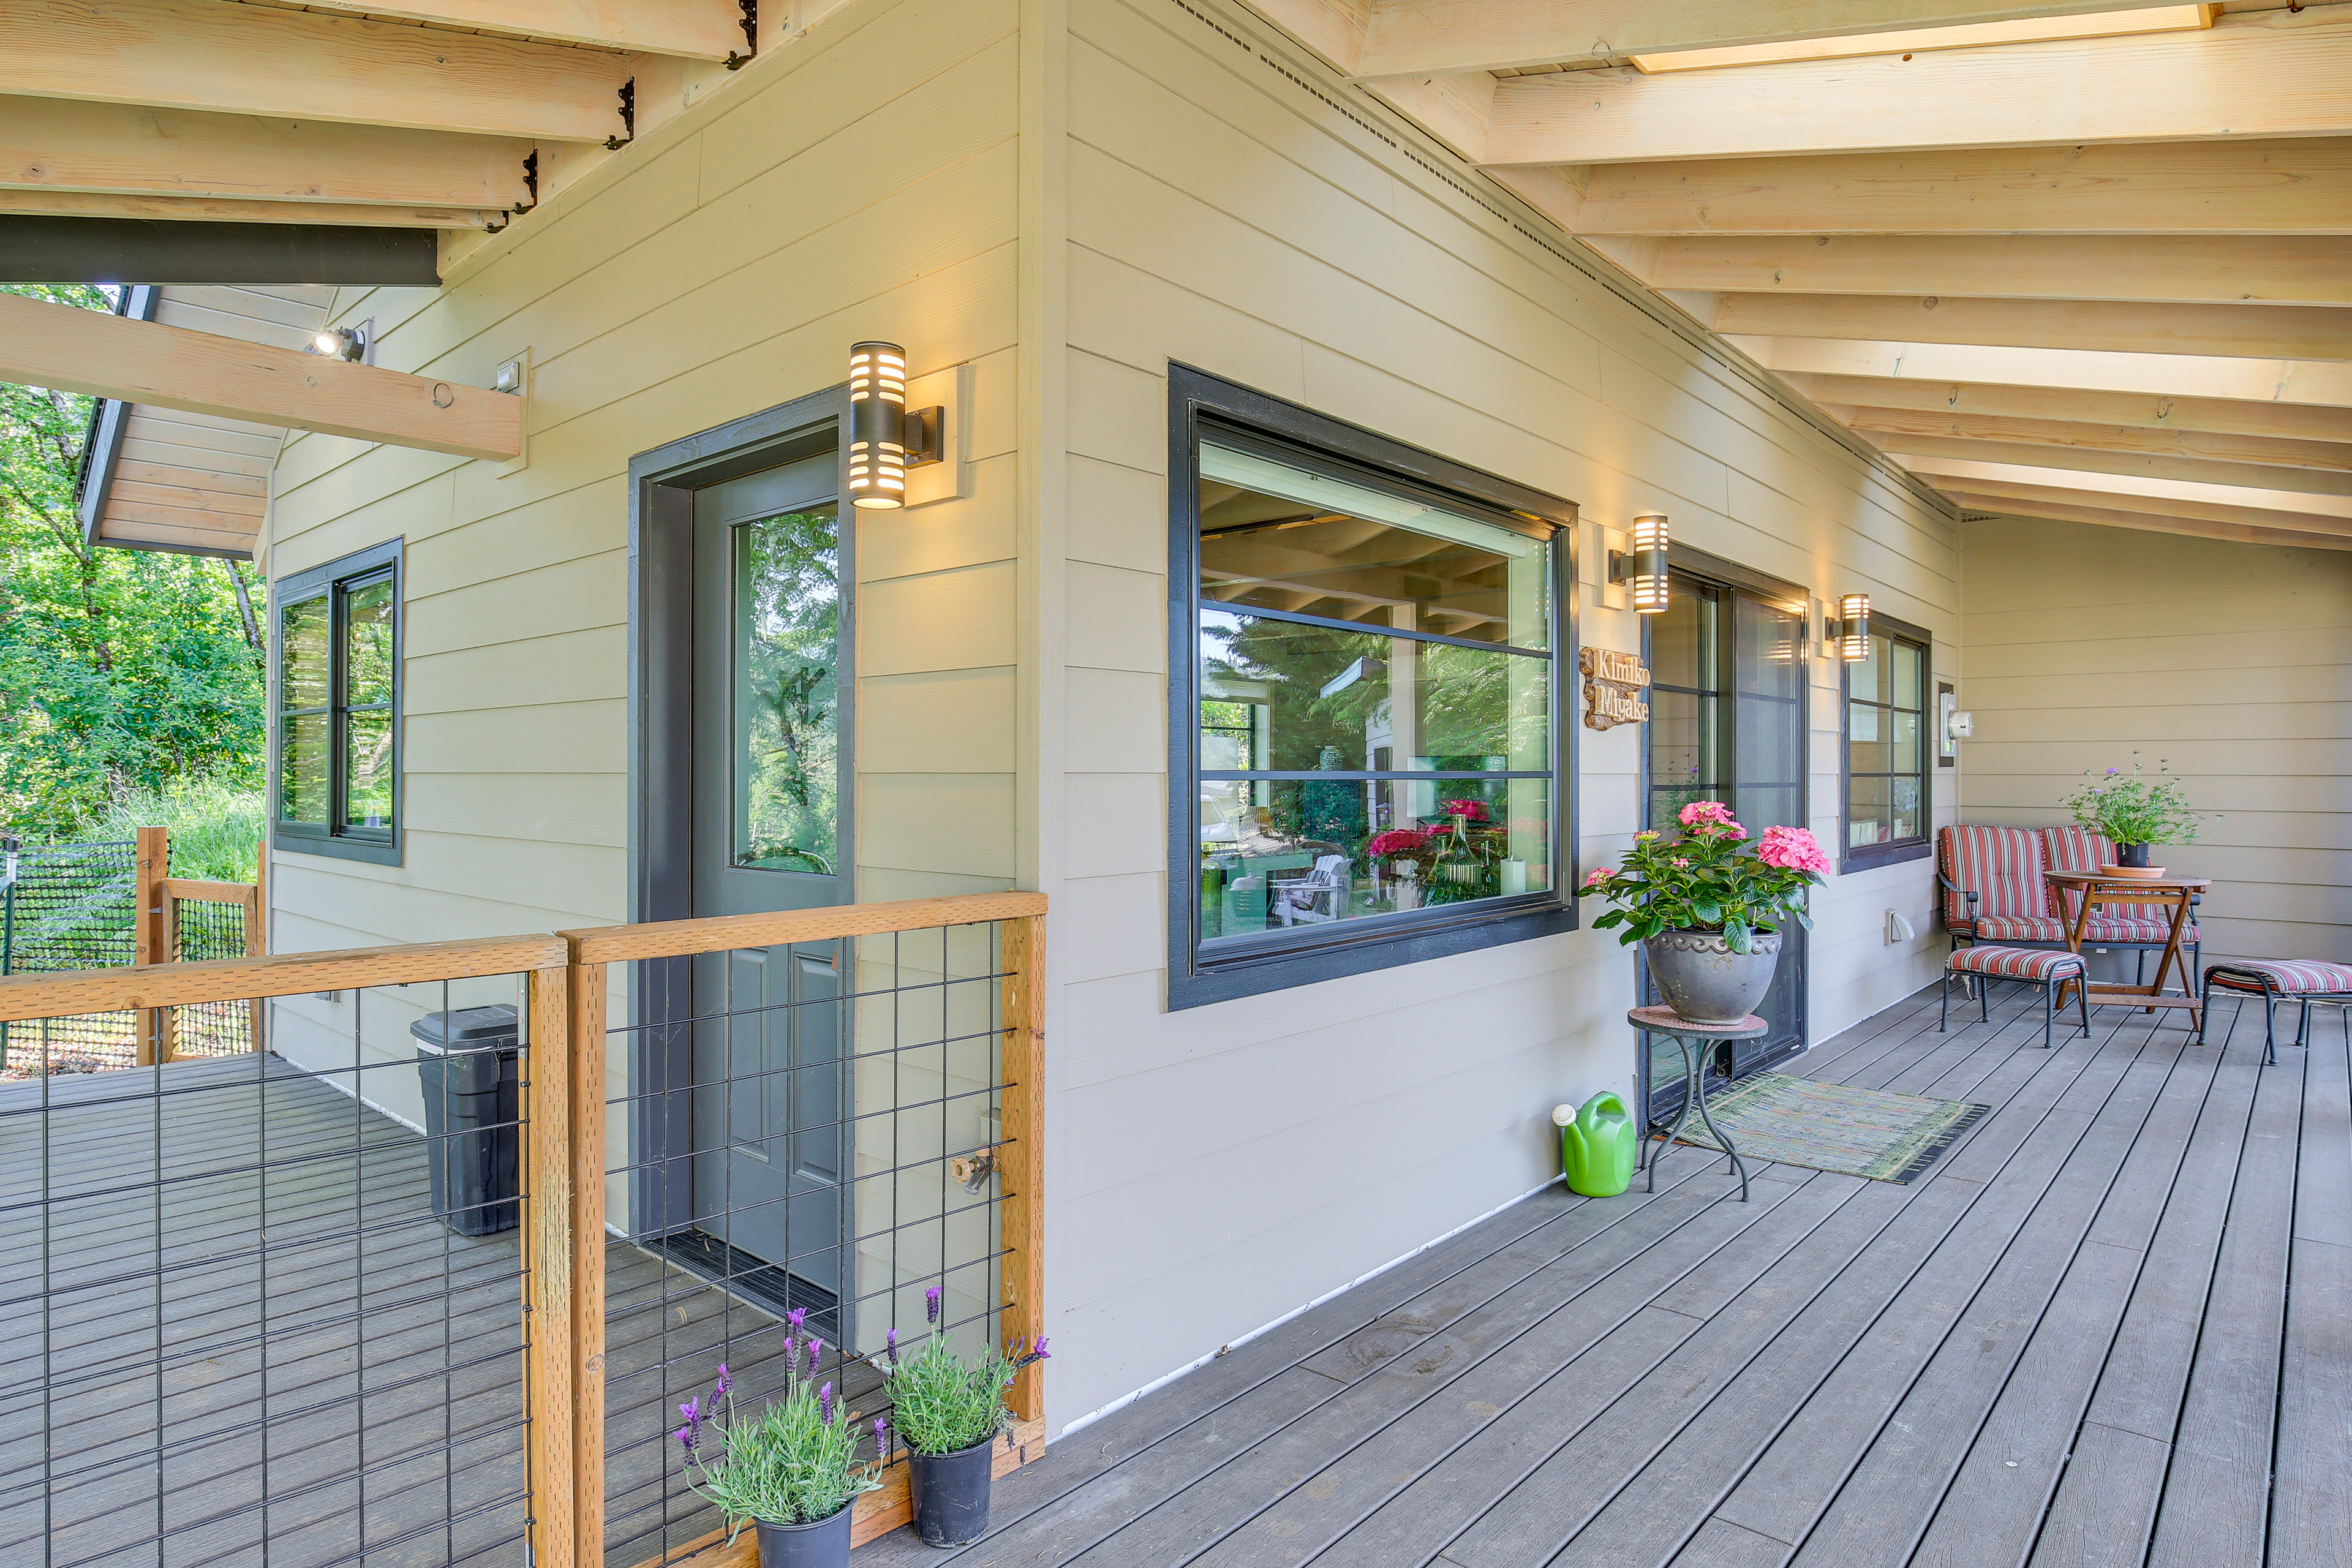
column 469, row 1059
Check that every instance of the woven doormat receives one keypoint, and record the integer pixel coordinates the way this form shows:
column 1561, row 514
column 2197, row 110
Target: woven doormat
column 1836, row 1126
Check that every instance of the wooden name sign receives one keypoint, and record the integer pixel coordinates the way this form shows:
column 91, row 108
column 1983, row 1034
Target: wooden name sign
column 1613, row 684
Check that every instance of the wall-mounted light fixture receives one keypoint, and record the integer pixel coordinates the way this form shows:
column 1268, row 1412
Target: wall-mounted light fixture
column 886, row 439
column 354, row 344
column 1643, row 567
column 1852, row 630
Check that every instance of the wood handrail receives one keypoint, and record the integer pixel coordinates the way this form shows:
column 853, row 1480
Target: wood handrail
column 152, row 985
column 197, row 891
column 719, row 933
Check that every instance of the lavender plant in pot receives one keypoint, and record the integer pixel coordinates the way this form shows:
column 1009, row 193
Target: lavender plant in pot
column 949, row 1413
column 1708, row 906
column 2135, row 812
column 789, row 1468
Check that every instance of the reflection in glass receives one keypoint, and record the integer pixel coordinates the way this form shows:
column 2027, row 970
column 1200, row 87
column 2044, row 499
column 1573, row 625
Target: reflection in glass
column 787, row 598
column 367, row 644
column 1685, row 703
column 1886, row 758
column 303, row 768
column 304, row 680
column 367, row 769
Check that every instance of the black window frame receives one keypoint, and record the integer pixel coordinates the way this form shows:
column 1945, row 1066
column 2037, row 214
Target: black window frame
column 1867, row 857
column 1199, row 403
column 335, row 581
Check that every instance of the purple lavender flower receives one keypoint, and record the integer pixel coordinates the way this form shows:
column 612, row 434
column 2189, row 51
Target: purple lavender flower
column 797, row 1317
column 720, row 1389
column 791, row 1352
column 881, row 1438
column 692, row 1411
column 890, row 1347
column 932, row 1304
column 1037, row 1350
column 686, row 1438
column 816, row 1353
column 825, row 1402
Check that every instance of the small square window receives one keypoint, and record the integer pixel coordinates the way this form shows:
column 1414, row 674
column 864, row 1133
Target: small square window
column 1887, row 767
column 337, row 724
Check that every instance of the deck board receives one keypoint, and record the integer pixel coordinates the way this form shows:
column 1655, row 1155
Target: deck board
column 1991, row 1364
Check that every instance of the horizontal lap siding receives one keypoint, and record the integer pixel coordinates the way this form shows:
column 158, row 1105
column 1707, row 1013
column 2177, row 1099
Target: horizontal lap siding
column 2231, row 663
column 1219, row 1166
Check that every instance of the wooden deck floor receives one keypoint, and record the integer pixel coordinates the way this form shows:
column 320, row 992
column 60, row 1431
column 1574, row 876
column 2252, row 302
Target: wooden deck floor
column 2113, row 1325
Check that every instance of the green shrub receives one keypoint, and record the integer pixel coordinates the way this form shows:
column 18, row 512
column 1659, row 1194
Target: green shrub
column 216, row 828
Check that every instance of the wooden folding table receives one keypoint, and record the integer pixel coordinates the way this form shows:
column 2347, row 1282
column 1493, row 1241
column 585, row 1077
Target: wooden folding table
column 2094, row 890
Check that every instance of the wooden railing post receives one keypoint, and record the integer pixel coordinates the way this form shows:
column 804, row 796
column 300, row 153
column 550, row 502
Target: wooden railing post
column 1021, row 1163
column 150, row 936
column 563, row 1226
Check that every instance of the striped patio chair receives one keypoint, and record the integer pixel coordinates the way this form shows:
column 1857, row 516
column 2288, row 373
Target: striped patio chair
column 2054, row 971
column 2144, row 928
column 1992, row 885
column 2304, row 980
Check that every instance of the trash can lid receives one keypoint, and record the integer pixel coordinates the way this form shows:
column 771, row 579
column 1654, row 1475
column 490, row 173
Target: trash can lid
column 467, row 1029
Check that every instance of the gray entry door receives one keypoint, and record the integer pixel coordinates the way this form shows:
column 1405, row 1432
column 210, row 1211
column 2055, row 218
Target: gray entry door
column 770, row 833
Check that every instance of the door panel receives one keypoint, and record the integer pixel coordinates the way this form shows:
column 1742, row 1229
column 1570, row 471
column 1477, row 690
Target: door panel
column 770, row 833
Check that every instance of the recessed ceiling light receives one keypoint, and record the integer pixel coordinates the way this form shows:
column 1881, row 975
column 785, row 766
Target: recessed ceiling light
column 2029, row 30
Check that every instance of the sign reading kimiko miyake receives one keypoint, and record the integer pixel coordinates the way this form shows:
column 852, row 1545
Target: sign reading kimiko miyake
column 1613, row 684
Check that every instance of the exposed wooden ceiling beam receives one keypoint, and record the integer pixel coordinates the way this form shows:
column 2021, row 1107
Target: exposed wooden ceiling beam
column 2297, row 185
column 699, row 29
column 2163, row 506
column 215, row 209
column 2273, row 73
column 1912, row 449
column 2279, row 269
column 65, row 144
column 296, row 65
column 2141, row 488
column 1904, row 423
column 42, row 344
column 2167, row 376
column 2246, row 331
column 2153, row 522
column 2139, row 411
column 1406, row 37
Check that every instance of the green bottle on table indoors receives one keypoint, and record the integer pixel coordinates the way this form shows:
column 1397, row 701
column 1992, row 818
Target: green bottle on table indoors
column 1598, row 1145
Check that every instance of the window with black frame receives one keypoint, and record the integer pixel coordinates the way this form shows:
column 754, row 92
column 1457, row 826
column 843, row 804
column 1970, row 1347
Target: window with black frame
column 1887, row 699
column 338, row 720
column 1373, row 739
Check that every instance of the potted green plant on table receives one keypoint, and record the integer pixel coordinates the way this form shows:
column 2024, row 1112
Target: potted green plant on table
column 790, row 1469
column 1708, row 906
column 949, row 1413
column 2135, row 813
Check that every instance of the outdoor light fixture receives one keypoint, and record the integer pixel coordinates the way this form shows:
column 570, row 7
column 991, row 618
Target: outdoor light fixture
column 1643, row 567
column 885, row 438
column 1853, row 632
column 347, row 343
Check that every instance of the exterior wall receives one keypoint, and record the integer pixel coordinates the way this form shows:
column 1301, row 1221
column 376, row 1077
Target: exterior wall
column 1216, row 1168
column 2232, row 661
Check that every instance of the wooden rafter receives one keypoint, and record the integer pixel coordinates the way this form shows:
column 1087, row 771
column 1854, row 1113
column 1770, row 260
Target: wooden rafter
column 2154, row 492
column 1923, row 450
column 2272, row 73
column 42, row 344
column 1407, row 38
column 699, row 29
column 66, row 144
column 2185, row 375
column 2156, row 522
column 296, row 64
column 2139, row 411
column 2248, row 331
column 214, row 209
column 2009, row 489
column 2278, row 270
column 1901, row 425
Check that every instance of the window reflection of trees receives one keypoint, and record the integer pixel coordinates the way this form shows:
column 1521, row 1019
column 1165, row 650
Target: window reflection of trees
column 788, row 604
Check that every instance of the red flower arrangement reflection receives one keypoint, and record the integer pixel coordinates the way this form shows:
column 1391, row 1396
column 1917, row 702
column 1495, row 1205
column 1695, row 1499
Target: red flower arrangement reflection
column 1469, row 810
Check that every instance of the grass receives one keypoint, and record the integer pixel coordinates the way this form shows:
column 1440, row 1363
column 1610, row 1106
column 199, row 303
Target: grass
column 216, row 829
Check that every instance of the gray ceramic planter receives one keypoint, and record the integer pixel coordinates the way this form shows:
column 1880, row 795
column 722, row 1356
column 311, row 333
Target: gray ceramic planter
column 1707, row 982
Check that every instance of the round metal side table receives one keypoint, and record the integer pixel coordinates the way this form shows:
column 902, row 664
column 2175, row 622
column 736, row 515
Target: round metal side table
column 1691, row 1038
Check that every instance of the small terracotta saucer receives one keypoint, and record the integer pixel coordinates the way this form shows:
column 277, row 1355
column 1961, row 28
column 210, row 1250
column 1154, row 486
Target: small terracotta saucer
column 2149, row 872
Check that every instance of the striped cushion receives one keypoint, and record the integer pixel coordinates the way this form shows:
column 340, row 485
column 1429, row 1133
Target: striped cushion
column 2080, row 850
column 2294, row 977
column 2001, row 864
column 2014, row 963
column 2021, row 928
column 2119, row 928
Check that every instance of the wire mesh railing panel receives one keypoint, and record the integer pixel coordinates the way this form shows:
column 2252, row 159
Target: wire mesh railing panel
column 68, row 907
column 203, row 929
column 802, row 1142
column 266, row 1310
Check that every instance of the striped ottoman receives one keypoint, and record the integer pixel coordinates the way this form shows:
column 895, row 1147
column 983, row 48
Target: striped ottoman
column 2304, row 980
column 2051, row 970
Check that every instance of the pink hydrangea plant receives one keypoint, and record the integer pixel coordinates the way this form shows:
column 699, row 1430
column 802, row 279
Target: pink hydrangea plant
column 1710, row 879
column 1791, row 849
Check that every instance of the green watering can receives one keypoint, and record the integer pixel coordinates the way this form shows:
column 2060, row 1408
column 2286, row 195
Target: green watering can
column 1598, row 1145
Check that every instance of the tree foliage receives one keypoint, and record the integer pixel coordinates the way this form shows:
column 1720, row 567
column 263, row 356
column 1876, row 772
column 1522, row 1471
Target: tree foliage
column 120, row 670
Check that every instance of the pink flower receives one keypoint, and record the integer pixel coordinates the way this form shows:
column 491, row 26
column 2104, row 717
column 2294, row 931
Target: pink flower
column 1600, row 876
column 1397, row 841
column 1792, row 849
column 1700, row 811
column 1646, row 833
column 1680, row 861
column 1474, row 810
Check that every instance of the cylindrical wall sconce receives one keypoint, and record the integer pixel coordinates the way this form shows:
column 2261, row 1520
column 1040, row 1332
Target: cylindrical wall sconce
column 877, row 425
column 1643, row 567
column 1854, row 627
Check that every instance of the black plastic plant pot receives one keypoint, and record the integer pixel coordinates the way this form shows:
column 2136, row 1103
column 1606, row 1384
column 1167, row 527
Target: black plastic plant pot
column 824, row 1544
column 950, row 1493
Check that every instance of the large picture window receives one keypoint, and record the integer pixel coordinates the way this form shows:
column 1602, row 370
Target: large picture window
column 337, row 718
column 1368, row 713
column 1886, row 765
